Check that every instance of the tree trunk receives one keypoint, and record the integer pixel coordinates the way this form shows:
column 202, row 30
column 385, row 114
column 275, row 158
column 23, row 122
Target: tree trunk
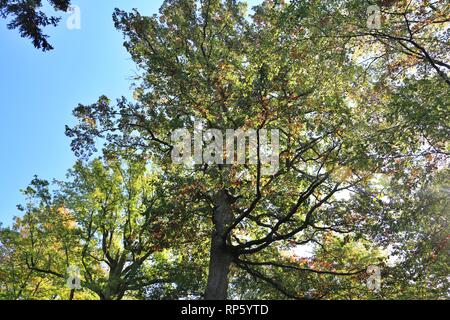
column 115, row 288
column 220, row 259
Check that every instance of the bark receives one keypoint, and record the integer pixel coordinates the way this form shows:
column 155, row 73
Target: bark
column 220, row 259
column 219, row 266
column 115, row 288
column 72, row 294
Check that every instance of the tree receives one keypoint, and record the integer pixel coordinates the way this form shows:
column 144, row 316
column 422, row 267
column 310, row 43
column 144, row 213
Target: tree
column 16, row 281
column 339, row 123
column 361, row 181
column 29, row 19
column 111, row 220
column 422, row 246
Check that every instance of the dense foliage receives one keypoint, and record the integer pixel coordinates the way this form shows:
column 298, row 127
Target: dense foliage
column 29, row 19
column 363, row 178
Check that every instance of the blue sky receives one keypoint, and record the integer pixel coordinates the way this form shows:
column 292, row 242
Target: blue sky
column 39, row 91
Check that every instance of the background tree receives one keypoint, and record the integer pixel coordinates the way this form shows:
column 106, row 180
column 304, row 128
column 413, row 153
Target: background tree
column 17, row 281
column 27, row 17
column 110, row 219
column 422, row 246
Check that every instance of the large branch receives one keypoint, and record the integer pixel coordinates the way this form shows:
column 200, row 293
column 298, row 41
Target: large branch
column 279, row 265
column 271, row 236
column 258, row 275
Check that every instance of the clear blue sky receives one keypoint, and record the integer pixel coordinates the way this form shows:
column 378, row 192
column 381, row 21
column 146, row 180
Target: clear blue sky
column 39, row 91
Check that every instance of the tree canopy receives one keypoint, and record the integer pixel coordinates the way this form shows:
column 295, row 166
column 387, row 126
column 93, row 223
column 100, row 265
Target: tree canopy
column 363, row 172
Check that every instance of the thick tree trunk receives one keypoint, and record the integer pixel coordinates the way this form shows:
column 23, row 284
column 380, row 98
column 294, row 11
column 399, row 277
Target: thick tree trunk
column 219, row 266
column 115, row 288
column 72, row 294
column 220, row 259
column 112, row 294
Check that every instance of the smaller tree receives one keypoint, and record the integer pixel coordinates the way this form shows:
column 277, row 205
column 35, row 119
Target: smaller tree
column 107, row 221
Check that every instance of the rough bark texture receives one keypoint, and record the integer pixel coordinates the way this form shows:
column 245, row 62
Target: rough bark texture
column 220, row 259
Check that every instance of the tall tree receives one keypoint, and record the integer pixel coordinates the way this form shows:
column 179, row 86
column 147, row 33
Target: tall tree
column 339, row 125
